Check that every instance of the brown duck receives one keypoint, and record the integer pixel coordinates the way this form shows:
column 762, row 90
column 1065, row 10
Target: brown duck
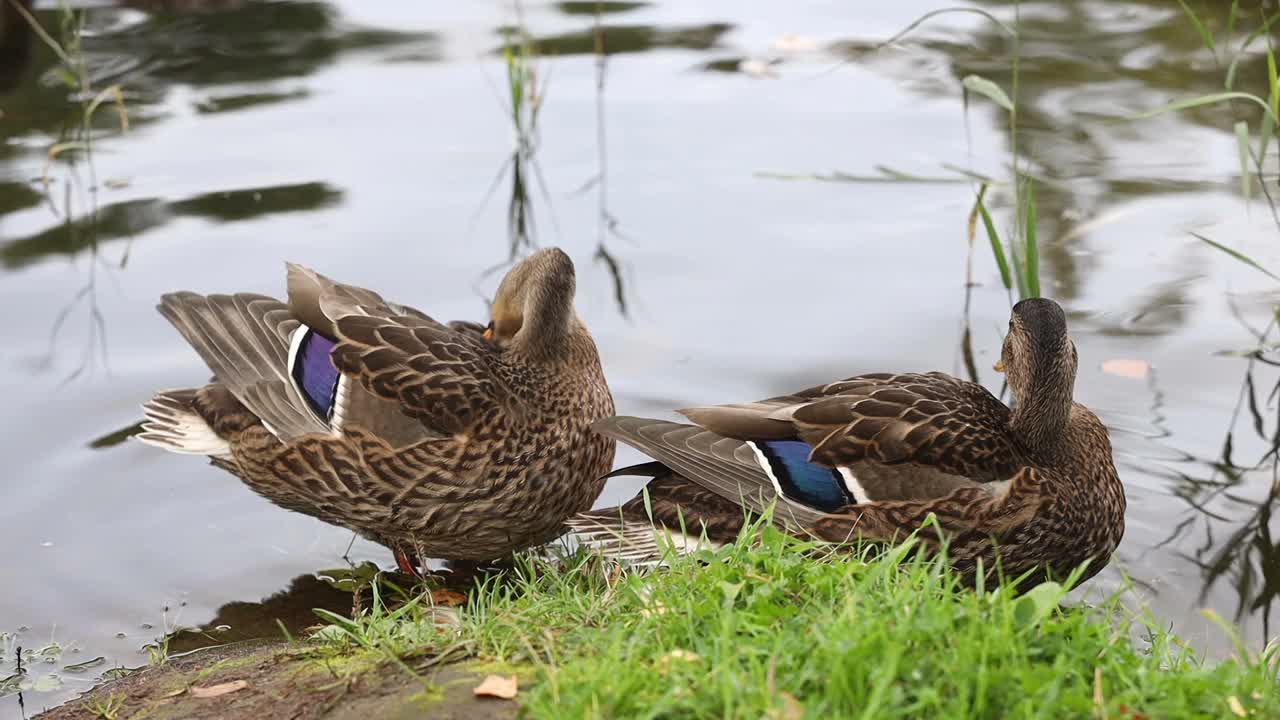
column 1031, row 489
column 454, row 441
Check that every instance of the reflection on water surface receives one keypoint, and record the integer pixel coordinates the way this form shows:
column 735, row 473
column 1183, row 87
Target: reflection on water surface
column 364, row 139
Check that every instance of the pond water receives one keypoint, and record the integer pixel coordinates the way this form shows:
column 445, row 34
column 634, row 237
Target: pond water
column 371, row 140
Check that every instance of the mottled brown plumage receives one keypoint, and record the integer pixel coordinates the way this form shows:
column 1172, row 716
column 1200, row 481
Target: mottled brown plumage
column 1028, row 490
column 453, row 441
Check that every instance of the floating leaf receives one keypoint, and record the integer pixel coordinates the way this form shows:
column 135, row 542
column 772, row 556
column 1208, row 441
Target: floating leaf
column 212, row 691
column 116, row 436
column 497, row 686
column 87, row 664
column 757, row 68
column 992, row 91
column 116, row 673
column 47, row 683
column 792, row 42
column 11, row 684
column 1124, row 367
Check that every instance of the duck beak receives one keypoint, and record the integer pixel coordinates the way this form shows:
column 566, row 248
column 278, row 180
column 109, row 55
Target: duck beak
column 488, row 333
column 999, row 366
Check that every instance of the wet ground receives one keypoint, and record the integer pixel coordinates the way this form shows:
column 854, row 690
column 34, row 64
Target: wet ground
column 749, row 193
column 254, row 680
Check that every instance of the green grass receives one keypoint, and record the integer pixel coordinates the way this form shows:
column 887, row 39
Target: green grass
column 107, row 708
column 765, row 629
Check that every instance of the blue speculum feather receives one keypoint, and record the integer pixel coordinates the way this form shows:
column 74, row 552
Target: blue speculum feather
column 315, row 373
column 819, row 487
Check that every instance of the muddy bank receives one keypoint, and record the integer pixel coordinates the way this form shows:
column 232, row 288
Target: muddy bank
column 283, row 681
column 238, row 665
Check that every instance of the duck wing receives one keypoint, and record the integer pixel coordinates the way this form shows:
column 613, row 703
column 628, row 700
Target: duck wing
column 727, row 466
column 863, row 443
column 245, row 339
column 929, row 424
column 441, row 375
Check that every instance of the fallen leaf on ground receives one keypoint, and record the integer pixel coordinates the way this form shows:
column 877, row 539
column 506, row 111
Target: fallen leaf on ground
column 1237, row 709
column 664, row 662
column 497, row 686
column 221, row 689
column 1123, row 367
column 448, row 598
column 175, row 693
column 1125, row 711
column 791, row 707
column 657, row 608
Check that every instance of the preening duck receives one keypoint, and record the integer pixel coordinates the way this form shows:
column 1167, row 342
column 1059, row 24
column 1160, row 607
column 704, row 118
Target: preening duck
column 454, row 441
column 1032, row 489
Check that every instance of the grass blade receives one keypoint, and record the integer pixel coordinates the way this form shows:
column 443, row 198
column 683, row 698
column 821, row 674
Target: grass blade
column 1264, row 135
column 1244, row 47
column 115, row 95
column 1206, row 37
column 1033, row 247
column 997, row 250
column 1236, row 254
column 40, row 32
column 1268, row 121
column 1008, row 30
column 1242, row 149
column 1201, row 100
column 1274, row 83
column 990, row 90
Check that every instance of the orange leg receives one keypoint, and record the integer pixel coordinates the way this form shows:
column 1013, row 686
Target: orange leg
column 406, row 566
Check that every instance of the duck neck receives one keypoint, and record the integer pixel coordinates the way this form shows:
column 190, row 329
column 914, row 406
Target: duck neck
column 550, row 323
column 1040, row 418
